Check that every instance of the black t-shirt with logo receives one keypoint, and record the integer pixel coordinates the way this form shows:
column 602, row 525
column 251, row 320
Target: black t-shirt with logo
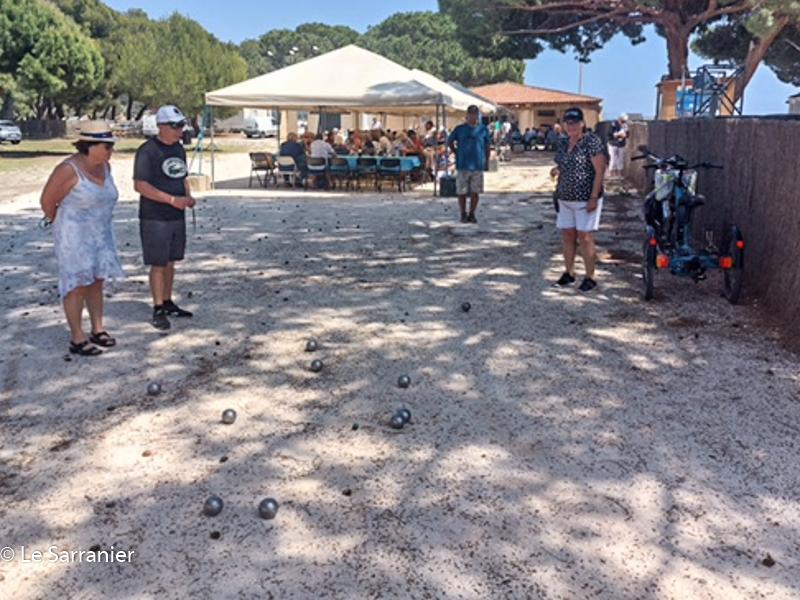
column 163, row 167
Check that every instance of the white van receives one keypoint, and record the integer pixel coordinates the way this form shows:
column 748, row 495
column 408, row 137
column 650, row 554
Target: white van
column 266, row 126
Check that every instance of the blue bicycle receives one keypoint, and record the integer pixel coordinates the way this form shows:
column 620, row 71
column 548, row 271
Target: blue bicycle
column 669, row 240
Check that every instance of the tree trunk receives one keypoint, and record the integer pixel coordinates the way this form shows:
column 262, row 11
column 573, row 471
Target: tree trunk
column 141, row 112
column 677, row 51
column 758, row 50
column 129, row 108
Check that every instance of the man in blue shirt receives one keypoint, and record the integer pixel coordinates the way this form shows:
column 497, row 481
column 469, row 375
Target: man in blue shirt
column 470, row 142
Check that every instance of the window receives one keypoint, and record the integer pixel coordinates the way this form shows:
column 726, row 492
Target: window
column 545, row 113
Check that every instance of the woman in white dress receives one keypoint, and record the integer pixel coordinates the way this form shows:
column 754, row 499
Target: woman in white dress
column 79, row 199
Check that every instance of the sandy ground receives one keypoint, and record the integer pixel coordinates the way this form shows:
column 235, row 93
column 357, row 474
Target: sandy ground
column 562, row 445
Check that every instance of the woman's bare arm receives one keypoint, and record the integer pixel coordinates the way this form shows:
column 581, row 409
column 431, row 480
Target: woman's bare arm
column 61, row 181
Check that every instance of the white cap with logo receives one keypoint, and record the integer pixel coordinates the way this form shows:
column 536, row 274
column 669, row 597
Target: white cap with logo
column 169, row 114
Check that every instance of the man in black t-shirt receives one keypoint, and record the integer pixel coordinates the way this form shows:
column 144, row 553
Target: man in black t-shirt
column 160, row 176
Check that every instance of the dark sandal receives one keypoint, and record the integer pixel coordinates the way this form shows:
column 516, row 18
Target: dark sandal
column 103, row 339
column 84, row 349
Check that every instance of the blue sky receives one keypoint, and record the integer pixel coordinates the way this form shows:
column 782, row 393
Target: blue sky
column 623, row 75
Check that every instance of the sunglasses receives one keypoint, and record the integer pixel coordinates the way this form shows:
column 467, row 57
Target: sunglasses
column 176, row 125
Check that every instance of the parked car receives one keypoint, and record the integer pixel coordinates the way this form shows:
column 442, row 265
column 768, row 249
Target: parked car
column 127, row 128
column 260, row 127
column 9, row 132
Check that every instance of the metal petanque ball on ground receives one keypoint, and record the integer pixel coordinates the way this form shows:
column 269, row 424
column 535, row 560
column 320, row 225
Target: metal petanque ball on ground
column 213, row 506
column 397, row 421
column 316, row 366
column 228, row 416
column 406, row 414
column 268, row 508
column 153, row 389
column 404, row 381
column 466, row 306
column 312, row 345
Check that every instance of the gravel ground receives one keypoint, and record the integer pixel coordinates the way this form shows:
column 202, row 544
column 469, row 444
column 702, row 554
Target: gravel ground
column 561, row 446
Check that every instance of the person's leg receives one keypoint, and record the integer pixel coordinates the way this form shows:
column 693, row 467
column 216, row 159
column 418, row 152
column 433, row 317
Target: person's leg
column 473, row 203
column 73, row 310
column 588, row 252
column 94, row 302
column 169, row 278
column 462, row 204
column 157, row 279
column 568, row 240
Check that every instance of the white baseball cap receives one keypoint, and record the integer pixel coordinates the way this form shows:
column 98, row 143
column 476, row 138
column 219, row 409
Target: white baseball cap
column 169, row 114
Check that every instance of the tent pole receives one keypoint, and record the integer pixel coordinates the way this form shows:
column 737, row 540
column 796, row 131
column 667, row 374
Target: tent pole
column 436, row 154
column 211, row 124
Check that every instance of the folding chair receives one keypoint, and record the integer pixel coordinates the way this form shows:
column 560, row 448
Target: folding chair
column 287, row 167
column 390, row 169
column 340, row 171
column 367, row 167
column 261, row 162
column 318, row 167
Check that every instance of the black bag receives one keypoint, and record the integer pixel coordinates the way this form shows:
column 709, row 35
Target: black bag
column 447, row 186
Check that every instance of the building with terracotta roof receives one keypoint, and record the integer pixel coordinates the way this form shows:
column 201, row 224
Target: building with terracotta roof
column 535, row 106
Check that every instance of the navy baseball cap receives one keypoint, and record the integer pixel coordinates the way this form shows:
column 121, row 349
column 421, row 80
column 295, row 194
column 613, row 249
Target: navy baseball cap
column 574, row 115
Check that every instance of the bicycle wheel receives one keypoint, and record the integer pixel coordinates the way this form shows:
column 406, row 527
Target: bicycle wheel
column 734, row 247
column 649, row 269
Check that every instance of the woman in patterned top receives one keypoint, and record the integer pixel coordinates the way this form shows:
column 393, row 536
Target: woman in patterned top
column 79, row 199
column 580, row 166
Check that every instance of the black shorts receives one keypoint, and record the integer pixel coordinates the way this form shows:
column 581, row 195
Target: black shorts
column 162, row 241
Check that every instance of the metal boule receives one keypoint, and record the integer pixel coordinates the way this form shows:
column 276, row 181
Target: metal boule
column 311, row 345
column 404, row 381
column 466, row 306
column 213, row 506
column 228, row 416
column 316, row 365
column 405, row 413
column 397, row 421
column 153, row 389
column 268, row 508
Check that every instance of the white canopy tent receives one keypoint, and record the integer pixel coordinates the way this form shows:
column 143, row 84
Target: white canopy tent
column 349, row 79
column 346, row 79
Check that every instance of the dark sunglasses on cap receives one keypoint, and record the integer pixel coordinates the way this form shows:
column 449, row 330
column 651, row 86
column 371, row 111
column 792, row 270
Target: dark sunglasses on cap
column 178, row 125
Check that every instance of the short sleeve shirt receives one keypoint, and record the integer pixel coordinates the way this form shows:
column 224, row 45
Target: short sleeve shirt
column 163, row 167
column 471, row 143
column 576, row 176
column 616, row 127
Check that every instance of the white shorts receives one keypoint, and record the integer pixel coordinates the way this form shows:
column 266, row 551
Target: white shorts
column 469, row 182
column 573, row 215
column 617, row 155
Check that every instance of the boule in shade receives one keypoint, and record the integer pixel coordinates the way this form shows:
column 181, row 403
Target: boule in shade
column 312, row 345
column 228, row 416
column 404, row 381
column 153, row 389
column 405, row 413
column 268, row 508
column 397, row 421
column 213, row 506
column 316, row 365
column 466, row 306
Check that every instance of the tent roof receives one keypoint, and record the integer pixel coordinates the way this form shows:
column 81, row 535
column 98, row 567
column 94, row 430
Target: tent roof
column 348, row 78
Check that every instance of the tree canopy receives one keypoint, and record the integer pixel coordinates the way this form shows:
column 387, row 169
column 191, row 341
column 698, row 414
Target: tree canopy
column 422, row 40
column 519, row 27
column 45, row 59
